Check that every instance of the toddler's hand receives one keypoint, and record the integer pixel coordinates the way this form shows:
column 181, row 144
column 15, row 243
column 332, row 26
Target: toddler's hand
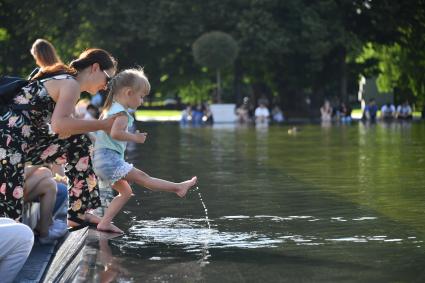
column 140, row 137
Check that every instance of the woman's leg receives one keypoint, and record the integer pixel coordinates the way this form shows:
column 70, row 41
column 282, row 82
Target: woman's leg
column 39, row 185
column 124, row 194
column 141, row 178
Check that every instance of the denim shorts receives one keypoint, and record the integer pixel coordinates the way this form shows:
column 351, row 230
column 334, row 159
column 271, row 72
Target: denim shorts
column 109, row 166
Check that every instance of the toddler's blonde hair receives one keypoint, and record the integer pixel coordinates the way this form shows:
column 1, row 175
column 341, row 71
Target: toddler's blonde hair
column 134, row 78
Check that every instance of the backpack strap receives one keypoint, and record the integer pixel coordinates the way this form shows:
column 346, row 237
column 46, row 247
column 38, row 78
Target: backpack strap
column 57, row 77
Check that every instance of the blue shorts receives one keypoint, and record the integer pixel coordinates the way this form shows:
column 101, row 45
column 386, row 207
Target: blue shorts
column 61, row 196
column 109, row 166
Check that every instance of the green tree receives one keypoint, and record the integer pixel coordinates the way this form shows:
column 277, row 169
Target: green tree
column 215, row 50
column 63, row 23
column 291, row 49
column 196, row 92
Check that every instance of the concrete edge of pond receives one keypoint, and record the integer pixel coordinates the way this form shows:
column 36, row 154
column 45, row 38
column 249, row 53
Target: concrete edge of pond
column 53, row 263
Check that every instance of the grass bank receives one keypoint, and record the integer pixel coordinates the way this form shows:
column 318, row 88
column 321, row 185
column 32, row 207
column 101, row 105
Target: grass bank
column 158, row 115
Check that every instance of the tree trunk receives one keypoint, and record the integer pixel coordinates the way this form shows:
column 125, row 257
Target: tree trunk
column 218, row 86
column 343, row 77
column 237, row 82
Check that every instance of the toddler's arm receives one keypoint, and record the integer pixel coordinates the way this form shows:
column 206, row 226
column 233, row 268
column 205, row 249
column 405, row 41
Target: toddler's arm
column 119, row 131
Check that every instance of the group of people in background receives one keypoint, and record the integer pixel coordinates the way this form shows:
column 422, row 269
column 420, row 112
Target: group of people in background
column 371, row 112
column 261, row 114
column 388, row 111
column 200, row 114
column 341, row 112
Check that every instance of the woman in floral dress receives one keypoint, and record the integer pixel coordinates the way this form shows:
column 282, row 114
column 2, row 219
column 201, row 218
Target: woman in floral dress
column 38, row 128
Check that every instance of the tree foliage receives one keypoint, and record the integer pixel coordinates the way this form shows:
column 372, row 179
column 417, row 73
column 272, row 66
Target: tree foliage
column 215, row 50
column 291, row 49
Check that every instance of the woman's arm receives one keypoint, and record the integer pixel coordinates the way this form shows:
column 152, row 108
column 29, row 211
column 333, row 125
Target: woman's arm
column 119, row 131
column 62, row 122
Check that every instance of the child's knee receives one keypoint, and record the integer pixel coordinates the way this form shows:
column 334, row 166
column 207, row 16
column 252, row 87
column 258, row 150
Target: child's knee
column 32, row 172
column 127, row 192
column 42, row 173
column 123, row 188
column 36, row 176
column 48, row 186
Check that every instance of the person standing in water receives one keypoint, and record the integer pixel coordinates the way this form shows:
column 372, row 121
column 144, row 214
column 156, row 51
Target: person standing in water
column 127, row 91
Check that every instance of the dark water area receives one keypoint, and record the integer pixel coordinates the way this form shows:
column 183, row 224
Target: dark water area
column 327, row 203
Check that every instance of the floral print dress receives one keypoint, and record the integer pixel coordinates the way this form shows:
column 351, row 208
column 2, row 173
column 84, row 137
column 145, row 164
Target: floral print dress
column 25, row 137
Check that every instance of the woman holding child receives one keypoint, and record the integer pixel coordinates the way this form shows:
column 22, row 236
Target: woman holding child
column 45, row 131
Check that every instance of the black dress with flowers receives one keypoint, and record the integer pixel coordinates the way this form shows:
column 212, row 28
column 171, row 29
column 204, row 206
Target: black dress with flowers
column 25, row 137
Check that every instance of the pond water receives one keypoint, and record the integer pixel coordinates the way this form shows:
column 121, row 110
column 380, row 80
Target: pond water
column 340, row 203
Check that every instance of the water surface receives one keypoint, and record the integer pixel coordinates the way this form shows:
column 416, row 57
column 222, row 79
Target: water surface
column 340, row 203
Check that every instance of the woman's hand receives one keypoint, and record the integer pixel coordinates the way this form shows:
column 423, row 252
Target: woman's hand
column 108, row 122
column 64, row 136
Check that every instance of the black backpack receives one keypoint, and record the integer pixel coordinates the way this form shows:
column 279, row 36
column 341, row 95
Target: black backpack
column 9, row 87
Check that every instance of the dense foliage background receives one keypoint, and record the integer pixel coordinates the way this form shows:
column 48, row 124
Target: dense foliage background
column 293, row 51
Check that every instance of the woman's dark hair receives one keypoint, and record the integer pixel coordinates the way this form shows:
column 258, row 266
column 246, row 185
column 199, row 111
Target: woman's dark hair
column 86, row 59
column 92, row 56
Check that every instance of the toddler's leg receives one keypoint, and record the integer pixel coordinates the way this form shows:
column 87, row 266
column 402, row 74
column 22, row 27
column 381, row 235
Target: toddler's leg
column 141, row 178
column 125, row 193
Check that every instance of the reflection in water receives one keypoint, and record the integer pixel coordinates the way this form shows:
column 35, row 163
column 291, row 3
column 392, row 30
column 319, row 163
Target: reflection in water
column 326, row 124
column 111, row 265
column 98, row 262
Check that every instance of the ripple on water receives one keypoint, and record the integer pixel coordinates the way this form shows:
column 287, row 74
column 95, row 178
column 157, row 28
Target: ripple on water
column 192, row 235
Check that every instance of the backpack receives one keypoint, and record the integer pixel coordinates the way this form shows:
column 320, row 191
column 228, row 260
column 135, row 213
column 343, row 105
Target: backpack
column 9, row 87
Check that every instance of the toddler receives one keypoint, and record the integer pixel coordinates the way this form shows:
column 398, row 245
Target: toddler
column 127, row 90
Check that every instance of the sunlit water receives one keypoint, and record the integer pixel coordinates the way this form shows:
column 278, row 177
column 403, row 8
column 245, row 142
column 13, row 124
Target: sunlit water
column 343, row 203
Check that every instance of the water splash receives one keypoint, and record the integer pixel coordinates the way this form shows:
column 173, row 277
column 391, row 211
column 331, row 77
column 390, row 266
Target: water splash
column 205, row 208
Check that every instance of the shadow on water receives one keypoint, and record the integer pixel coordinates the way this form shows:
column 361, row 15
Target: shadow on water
column 282, row 208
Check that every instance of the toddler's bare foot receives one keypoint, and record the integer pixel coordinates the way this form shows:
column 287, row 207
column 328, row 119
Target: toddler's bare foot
column 185, row 186
column 109, row 227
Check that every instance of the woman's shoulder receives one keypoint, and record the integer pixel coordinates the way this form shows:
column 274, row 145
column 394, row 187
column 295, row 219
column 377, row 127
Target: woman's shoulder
column 64, row 85
column 63, row 81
